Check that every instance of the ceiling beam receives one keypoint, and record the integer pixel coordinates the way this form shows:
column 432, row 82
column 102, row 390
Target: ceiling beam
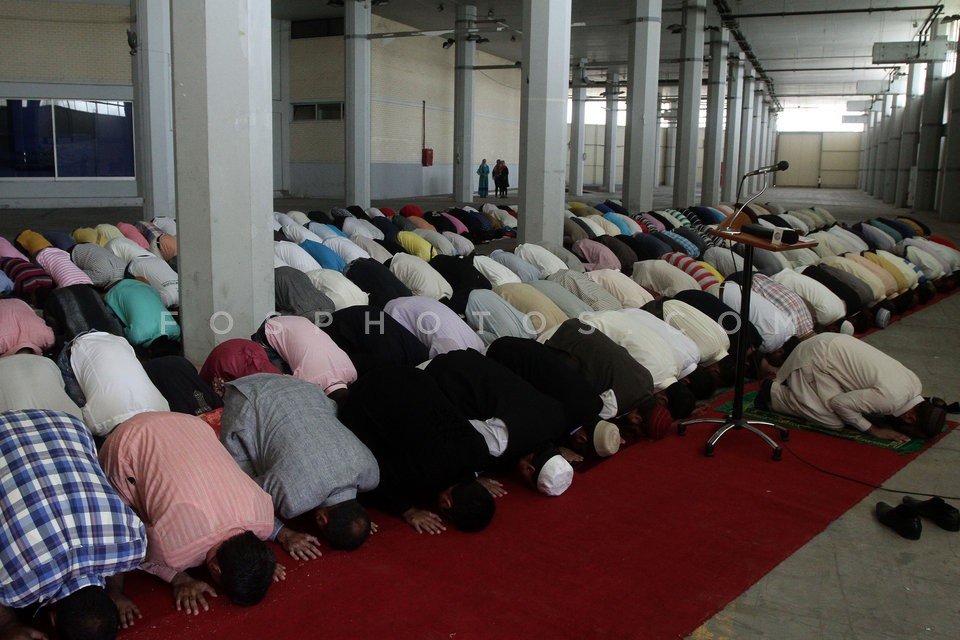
column 823, row 12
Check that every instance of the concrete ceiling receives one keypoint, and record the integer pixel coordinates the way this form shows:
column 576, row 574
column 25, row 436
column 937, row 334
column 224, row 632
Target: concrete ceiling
column 815, row 49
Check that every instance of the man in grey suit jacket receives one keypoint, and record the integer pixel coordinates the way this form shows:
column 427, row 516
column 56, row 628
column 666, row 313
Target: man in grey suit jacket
column 285, row 434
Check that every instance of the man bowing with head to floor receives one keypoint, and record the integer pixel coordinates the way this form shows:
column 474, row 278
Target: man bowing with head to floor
column 285, row 434
column 834, row 380
column 200, row 508
column 65, row 536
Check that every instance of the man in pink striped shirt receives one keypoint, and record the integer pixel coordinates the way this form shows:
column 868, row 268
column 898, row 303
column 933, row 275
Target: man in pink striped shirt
column 199, row 507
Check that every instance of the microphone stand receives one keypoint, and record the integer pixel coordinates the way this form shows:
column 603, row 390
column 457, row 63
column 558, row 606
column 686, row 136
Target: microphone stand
column 735, row 419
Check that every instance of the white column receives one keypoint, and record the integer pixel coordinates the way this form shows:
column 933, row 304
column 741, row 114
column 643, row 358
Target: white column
column 893, row 151
column 864, row 149
column 931, row 130
column 764, row 144
column 880, row 164
column 610, row 134
column 222, row 130
column 688, row 104
column 772, row 140
column 746, row 135
column 153, row 107
column 282, row 115
column 753, row 184
column 950, row 189
column 713, row 134
column 909, row 136
column 464, row 164
column 731, row 148
column 641, row 158
column 356, row 25
column 670, row 156
column 543, row 118
column 873, row 128
column 577, row 129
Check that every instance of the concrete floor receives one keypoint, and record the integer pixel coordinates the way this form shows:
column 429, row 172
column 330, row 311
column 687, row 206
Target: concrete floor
column 857, row 579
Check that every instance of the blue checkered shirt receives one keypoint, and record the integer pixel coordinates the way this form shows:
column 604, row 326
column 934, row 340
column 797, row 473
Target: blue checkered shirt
column 64, row 527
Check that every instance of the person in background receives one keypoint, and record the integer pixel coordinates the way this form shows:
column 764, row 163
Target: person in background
column 484, row 172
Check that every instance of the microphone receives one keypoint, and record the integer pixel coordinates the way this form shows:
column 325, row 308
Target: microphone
column 783, row 165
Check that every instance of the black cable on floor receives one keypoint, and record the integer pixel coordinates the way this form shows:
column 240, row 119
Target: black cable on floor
column 872, row 485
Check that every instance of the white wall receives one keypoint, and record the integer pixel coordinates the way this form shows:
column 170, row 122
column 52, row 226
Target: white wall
column 833, row 157
column 412, row 104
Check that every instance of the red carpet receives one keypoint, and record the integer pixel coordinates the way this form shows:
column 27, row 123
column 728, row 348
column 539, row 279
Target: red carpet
column 648, row 544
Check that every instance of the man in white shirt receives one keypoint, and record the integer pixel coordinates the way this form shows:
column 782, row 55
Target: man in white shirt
column 112, row 381
column 420, row 277
column 834, row 380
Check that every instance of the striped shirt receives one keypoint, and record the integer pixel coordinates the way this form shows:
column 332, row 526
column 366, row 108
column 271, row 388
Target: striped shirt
column 102, row 266
column 171, row 469
column 27, row 277
column 58, row 264
column 691, row 267
column 63, row 526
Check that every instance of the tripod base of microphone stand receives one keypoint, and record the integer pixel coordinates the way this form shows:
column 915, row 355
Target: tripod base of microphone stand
column 728, row 423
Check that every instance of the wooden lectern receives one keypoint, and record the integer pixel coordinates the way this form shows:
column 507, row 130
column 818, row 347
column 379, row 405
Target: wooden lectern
column 735, row 420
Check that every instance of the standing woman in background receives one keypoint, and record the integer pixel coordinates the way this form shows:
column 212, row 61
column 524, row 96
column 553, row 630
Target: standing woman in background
column 503, row 179
column 484, row 172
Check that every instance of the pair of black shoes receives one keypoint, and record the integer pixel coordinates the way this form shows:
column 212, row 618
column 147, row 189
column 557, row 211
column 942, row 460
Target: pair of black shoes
column 905, row 517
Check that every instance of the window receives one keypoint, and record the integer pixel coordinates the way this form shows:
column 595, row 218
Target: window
column 318, row 111
column 66, row 138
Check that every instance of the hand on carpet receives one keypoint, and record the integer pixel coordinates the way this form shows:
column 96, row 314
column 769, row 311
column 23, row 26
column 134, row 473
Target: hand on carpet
column 127, row 609
column 495, row 487
column 570, row 455
column 279, row 573
column 422, row 520
column 188, row 593
column 373, row 527
column 300, row 546
column 887, row 433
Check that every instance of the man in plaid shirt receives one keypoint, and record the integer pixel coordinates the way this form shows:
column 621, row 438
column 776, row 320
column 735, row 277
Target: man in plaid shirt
column 65, row 535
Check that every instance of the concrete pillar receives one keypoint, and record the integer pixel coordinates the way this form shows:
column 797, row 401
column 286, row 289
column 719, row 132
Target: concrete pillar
column 910, row 135
column 880, row 164
column 746, row 134
column 577, row 128
column 874, row 128
column 762, row 144
column 670, row 156
column 731, row 148
column 282, row 111
column 688, row 103
column 464, row 163
column 641, row 157
column 610, row 134
column 222, row 130
column 772, row 140
column 931, row 130
column 864, row 152
column 950, row 184
column 543, row 113
column 356, row 105
column 713, row 134
column 153, row 107
column 893, row 150
column 753, row 183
